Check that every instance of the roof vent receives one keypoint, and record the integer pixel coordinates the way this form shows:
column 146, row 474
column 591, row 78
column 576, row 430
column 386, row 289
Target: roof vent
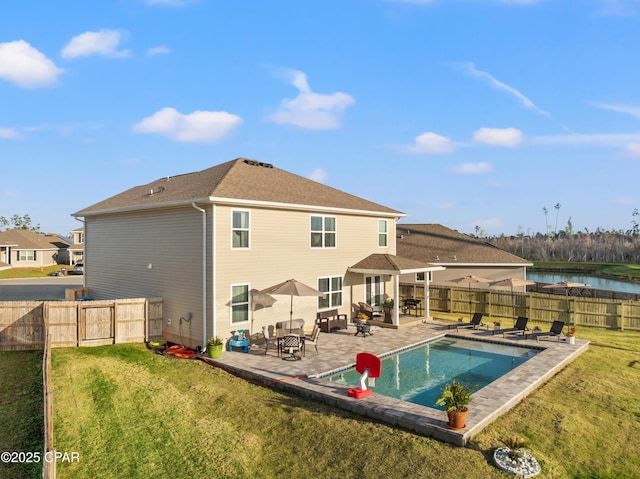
column 258, row 163
column 158, row 190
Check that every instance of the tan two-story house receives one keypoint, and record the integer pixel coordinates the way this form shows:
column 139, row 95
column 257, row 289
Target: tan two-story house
column 206, row 242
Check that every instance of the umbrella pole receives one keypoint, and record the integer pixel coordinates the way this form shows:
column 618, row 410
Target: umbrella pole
column 291, row 314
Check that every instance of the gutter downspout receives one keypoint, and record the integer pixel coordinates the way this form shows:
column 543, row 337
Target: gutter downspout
column 204, row 275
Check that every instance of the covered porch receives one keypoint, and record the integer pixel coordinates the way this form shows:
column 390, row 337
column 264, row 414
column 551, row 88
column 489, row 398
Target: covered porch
column 388, row 266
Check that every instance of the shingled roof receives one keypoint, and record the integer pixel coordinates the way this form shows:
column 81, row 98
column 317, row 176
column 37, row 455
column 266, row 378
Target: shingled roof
column 26, row 239
column 437, row 244
column 240, row 179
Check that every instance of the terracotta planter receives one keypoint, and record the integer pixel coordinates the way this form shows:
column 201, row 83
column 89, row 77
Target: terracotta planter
column 457, row 419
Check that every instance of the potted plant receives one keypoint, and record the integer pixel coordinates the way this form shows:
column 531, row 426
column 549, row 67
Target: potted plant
column 497, row 325
column 571, row 334
column 454, row 397
column 387, row 306
column 214, row 347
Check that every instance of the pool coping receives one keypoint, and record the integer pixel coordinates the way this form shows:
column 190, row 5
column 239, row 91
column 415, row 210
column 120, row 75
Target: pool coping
column 486, row 406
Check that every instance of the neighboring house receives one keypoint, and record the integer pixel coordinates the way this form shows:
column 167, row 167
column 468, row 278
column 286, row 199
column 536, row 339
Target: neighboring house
column 77, row 245
column 23, row 248
column 459, row 253
column 207, row 241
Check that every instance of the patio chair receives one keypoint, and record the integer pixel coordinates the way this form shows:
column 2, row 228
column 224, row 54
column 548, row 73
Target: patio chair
column 267, row 340
column 520, row 327
column 475, row 322
column 291, row 344
column 313, row 338
column 556, row 330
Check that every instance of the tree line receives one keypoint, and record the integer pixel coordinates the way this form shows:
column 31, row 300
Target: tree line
column 18, row 222
column 599, row 246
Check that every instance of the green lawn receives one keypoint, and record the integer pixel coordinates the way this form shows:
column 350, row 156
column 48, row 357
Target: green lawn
column 21, row 413
column 33, row 272
column 131, row 413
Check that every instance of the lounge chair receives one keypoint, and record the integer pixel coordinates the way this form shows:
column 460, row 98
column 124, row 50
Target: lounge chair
column 556, row 330
column 520, row 327
column 475, row 322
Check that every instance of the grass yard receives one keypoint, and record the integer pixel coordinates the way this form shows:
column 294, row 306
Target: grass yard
column 34, row 272
column 21, row 411
column 131, row 413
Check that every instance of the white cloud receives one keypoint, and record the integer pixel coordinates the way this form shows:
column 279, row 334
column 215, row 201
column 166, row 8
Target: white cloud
column 199, row 126
column 616, row 140
column 10, row 134
column 624, row 201
column 25, row 66
column 633, row 149
column 633, row 110
column 510, row 137
column 624, row 8
column 103, row 42
column 318, row 175
column 310, row 110
column 159, row 50
column 471, row 70
column 431, row 143
column 471, row 168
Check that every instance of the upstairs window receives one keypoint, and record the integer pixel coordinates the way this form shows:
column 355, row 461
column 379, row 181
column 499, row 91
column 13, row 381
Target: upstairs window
column 240, row 229
column 323, row 232
column 332, row 289
column 383, row 234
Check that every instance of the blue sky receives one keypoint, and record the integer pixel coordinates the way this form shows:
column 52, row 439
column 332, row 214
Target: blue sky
column 467, row 113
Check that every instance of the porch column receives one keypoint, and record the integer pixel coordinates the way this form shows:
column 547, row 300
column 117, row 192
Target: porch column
column 396, row 300
column 427, row 293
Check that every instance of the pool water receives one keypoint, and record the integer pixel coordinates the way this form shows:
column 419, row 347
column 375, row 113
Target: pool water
column 416, row 375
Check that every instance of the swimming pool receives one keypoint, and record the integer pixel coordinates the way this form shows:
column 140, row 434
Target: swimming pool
column 416, row 375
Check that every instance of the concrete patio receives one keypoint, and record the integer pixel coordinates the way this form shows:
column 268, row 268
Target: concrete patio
column 337, row 350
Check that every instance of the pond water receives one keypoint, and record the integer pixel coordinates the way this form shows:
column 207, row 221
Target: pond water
column 593, row 281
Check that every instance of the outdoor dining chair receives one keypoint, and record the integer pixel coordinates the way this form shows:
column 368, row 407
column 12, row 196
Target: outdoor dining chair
column 267, row 340
column 313, row 338
column 291, row 344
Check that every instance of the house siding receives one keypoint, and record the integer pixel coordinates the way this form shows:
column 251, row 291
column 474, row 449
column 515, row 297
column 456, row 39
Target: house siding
column 280, row 250
column 120, row 248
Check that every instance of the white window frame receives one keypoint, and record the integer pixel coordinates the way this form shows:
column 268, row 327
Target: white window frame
column 26, row 255
column 323, row 232
column 240, row 303
column 383, row 234
column 428, row 275
column 247, row 229
column 331, row 292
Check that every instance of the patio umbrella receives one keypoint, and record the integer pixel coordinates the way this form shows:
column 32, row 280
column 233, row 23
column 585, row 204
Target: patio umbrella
column 469, row 279
column 259, row 300
column 512, row 283
column 567, row 286
column 292, row 288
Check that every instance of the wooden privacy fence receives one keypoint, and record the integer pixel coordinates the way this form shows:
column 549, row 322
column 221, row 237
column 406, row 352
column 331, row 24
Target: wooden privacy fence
column 79, row 323
column 540, row 307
